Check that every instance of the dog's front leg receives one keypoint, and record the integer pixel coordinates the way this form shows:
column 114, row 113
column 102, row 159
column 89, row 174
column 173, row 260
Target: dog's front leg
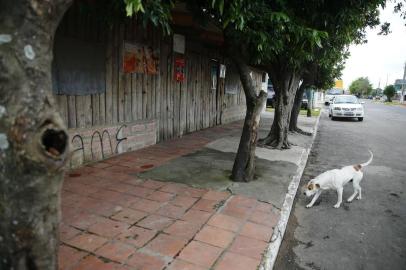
column 316, row 196
column 340, row 197
column 352, row 196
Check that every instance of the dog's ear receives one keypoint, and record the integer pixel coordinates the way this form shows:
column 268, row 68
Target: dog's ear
column 317, row 185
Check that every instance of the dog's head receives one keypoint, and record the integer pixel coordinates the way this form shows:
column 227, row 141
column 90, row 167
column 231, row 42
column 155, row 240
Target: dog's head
column 311, row 188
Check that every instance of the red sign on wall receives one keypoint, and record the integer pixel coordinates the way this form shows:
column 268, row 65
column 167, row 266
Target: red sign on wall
column 179, row 69
column 140, row 59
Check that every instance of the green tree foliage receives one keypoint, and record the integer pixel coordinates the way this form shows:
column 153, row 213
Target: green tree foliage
column 155, row 11
column 338, row 23
column 389, row 91
column 109, row 12
column 361, row 87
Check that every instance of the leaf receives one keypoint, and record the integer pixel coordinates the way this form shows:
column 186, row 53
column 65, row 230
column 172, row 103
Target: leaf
column 241, row 23
column 318, row 42
column 259, row 47
column 226, row 22
column 221, row 7
column 129, row 9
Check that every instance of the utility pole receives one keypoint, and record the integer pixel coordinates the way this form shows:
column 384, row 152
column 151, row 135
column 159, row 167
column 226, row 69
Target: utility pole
column 402, row 99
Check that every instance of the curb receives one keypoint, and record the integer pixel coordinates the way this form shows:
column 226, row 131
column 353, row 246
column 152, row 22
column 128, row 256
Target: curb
column 271, row 252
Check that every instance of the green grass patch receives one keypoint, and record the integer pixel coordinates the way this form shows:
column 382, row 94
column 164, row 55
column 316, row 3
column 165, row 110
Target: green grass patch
column 315, row 112
column 394, row 102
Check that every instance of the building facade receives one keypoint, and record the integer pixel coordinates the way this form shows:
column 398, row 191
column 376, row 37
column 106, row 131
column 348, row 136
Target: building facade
column 124, row 87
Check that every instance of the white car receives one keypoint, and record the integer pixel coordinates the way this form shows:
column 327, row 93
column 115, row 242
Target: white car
column 346, row 106
column 331, row 94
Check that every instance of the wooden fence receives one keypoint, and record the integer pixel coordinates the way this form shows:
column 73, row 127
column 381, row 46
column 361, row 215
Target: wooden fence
column 176, row 107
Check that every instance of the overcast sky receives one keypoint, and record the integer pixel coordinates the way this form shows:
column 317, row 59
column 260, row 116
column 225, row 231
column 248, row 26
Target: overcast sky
column 381, row 59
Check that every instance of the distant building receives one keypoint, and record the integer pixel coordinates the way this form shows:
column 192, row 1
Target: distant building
column 399, row 86
column 399, row 83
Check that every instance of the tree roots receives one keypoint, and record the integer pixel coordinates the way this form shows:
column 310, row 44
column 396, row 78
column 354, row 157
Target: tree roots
column 272, row 142
column 300, row 131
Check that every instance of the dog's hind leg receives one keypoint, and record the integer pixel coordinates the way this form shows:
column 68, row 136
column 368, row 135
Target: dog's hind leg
column 357, row 186
column 353, row 195
column 340, row 197
column 359, row 197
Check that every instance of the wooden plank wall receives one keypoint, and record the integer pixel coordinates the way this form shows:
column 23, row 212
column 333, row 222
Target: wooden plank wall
column 180, row 108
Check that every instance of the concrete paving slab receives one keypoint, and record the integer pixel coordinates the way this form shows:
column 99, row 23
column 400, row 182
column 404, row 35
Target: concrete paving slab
column 210, row 168
column 230, row 144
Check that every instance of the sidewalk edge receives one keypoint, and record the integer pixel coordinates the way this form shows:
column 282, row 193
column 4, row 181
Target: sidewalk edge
column 271, row 253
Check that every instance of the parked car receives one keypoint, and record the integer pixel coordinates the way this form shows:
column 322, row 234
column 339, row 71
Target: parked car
column 331, row 93
column 270, row 101
column 346, row 106
column 305, row 102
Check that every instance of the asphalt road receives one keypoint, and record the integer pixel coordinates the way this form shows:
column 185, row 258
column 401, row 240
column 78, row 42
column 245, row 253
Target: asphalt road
column 365, row 234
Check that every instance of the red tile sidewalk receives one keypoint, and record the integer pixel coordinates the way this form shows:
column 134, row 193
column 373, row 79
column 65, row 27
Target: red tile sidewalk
column 113, row 220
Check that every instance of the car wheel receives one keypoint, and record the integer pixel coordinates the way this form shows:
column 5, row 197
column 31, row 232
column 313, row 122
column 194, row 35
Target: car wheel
column 333, row 118
column 360, row 118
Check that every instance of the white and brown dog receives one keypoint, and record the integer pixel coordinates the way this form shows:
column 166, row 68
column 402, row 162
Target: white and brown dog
column 336, row 179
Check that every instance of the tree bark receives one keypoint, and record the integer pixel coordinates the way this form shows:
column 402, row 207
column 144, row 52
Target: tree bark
column 309, row 94
column 244, row 163
column 286, row 83
column 33, row 139
column 297, row 104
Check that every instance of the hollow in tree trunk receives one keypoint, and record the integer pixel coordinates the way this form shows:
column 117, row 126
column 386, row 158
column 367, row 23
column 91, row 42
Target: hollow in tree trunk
column 297, row 104
column 285, row 85
column 33, row 139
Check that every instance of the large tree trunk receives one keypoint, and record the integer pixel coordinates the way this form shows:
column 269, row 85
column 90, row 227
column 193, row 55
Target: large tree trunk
column 33, row 140
column 244, row 164
column 297, row 104
column 286, row 83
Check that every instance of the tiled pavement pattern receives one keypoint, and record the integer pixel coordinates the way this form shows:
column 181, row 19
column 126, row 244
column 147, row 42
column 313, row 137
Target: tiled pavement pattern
column 112, row 220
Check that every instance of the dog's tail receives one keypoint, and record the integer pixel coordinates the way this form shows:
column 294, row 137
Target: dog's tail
column 369, row 161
